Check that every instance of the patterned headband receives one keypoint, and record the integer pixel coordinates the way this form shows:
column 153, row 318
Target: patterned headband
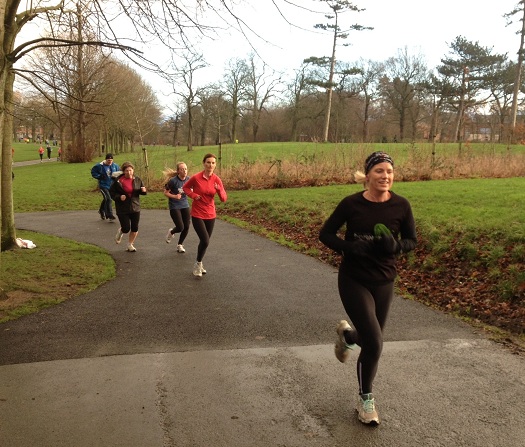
column 376, row 158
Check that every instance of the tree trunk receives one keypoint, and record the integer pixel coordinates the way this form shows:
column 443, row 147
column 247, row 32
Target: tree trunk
column 461, row 110
column 3, row 148
column 190, row 127
column 366, row 115
column 8, row 214
column 330, row 86
column 517, row 81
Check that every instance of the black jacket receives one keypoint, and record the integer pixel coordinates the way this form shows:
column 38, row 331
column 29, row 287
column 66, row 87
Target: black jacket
column 131, row 204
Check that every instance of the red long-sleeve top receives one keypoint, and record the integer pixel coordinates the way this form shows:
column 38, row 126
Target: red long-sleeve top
column 206, row 188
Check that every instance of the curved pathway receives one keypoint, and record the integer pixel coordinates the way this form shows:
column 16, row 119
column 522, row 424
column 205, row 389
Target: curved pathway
column 240, row 357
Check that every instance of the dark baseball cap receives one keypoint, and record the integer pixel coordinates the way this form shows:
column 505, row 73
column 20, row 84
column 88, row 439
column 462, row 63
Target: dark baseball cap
column 109, row 156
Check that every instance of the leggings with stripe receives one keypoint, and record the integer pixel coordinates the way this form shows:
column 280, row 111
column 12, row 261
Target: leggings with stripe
column 204, row 229
column 367, row 307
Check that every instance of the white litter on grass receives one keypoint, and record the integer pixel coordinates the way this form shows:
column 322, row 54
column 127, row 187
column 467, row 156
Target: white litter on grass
column 24, row 243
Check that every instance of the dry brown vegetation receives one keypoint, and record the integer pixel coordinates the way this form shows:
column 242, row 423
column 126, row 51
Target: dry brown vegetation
column 319, row 166
column 337, row 168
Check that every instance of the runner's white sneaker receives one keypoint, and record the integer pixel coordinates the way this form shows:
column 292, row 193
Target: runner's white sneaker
column 366, row 410
column 118, row 236
column 131, row 247
column 169, row 236
column 181, row 249
column 197, row 269
column 342, row 348
column 203, row 270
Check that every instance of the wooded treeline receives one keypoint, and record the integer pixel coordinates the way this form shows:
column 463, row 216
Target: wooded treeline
column 468, row 97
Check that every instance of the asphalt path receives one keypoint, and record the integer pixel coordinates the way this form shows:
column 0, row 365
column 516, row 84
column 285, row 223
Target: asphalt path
column 34, row 162
column 240, row 357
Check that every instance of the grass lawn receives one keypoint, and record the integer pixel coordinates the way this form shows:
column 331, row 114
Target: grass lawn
column 58, row 270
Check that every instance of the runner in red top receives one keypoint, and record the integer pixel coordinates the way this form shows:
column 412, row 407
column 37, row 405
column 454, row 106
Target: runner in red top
column 201, row 188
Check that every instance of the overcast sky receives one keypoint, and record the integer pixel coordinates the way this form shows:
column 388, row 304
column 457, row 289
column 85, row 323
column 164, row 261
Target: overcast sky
column 423, row 27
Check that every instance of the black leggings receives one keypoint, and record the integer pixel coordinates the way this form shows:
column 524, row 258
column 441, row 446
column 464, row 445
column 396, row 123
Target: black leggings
column 129, row 221
column 367, row 307
column 181, row 219
column 204, row 229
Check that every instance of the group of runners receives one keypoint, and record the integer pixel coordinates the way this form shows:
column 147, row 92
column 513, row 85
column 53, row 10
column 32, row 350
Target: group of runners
column 122, row 186
column 379, row 226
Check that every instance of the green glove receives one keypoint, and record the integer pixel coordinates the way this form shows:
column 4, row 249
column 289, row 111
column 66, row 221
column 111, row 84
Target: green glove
column 384, row 240
column 381, row 230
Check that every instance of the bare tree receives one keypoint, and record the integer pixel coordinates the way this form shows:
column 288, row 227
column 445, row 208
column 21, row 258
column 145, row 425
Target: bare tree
column 141, row 107
column 501, row 84
column 337, row 7
column 299, row 90
column 235, row 84
column 366, row 82
column 260, row 89
column 185, row 75
column 518, row 9
column 213, row 114
column 405, row 75
column 438, row 89
column 174, row 122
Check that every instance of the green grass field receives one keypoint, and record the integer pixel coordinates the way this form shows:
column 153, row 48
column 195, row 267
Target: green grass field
column 159, row 156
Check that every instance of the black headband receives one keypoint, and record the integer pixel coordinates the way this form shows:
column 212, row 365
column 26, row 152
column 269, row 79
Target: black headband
column 376, row 158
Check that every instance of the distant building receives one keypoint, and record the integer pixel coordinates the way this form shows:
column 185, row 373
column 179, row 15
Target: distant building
column 484, row 134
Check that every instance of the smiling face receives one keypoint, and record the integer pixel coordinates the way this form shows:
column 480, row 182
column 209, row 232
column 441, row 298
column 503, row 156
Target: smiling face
column 380, row 178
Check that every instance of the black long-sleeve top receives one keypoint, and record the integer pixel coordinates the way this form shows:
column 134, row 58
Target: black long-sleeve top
column 363, row 258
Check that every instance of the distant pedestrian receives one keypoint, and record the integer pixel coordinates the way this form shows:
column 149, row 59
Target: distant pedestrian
column 103, row 172
column 41, row 153
column 177, row 203
column 201, row 188
column 59, row 154
column 126, row 191
column 48, row 147
column 379, row 226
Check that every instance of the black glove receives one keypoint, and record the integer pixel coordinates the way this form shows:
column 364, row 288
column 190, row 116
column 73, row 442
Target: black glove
column 386, row 244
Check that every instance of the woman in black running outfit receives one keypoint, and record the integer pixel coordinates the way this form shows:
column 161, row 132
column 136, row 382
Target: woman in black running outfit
column 367, row 270
column 177, row 203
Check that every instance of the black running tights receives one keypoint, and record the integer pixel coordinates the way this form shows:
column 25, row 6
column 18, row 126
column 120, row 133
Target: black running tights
column 367, row 307
column 181, row 219
column 204, row 229
column 129, row 221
